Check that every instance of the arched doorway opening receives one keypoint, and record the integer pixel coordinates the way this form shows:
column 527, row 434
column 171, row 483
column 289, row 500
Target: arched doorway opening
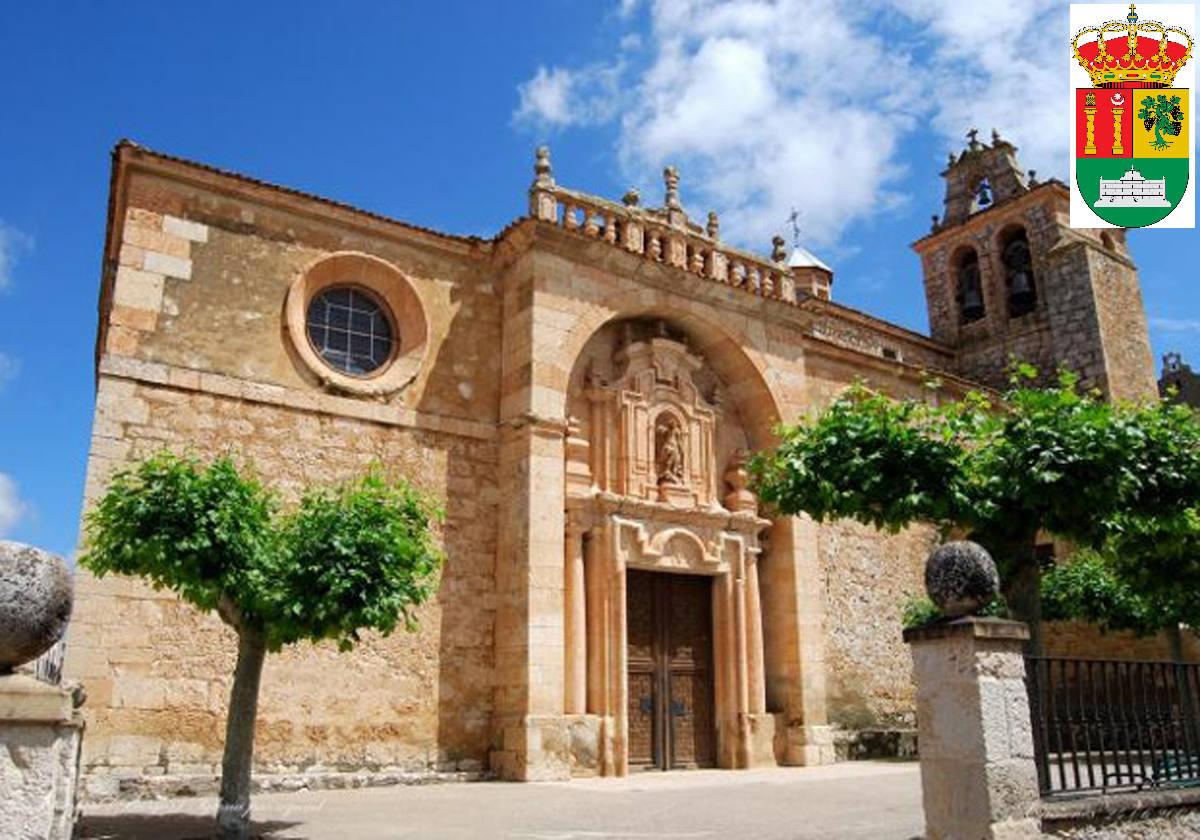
column 665, row 637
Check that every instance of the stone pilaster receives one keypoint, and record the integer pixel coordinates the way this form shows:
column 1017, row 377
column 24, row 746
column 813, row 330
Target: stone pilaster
column 39, row 765
column 978, row 777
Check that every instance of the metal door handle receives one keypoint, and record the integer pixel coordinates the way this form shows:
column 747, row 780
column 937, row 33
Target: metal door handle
column 646, row 705
column 677, row 708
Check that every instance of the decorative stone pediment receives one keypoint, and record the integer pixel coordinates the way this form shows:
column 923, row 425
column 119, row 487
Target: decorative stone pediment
column 647, row 544
column 663, row 428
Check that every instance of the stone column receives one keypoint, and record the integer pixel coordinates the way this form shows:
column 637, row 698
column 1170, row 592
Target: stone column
column 754, row 638
column 793, row 591
column 41, row 732
column 576, row 623
column 978, row 777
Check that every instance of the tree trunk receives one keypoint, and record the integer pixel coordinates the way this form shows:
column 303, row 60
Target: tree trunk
column 233, row 813
column 1023, row 589
column 1175, row 640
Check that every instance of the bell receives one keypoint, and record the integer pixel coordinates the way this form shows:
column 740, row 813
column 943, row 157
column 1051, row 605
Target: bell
column 972, row 302
column 985, row 194
column 1020, row 284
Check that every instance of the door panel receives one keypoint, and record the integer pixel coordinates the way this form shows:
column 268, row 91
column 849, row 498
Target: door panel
column 671, row 721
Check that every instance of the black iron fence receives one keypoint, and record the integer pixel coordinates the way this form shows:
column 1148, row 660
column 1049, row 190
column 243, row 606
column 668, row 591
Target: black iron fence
column 1105, row 725
column 48, row 666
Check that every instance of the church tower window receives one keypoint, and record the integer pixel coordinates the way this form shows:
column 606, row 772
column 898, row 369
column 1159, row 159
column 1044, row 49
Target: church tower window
column 970, row 290
column 1018, row 273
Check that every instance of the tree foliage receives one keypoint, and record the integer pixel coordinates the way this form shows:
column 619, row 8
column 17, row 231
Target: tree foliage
column 1145, row 579
column 357, row 556
column 1055, row 459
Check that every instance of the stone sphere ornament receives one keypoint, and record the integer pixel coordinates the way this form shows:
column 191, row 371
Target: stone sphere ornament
column 35, row 602
column 961, row 578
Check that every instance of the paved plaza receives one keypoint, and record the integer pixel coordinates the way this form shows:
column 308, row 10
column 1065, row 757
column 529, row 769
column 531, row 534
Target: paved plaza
column 877, row 800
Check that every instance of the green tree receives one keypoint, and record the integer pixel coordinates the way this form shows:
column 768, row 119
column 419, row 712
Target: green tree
column 1054, row 460
column 357, row 556
column 1145, row 579
column 1163, row 116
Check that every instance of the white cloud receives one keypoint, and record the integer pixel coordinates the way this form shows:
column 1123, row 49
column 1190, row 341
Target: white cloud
column 12, row 243
column 11, row 506
column 809, row 103
column 558, row 97
column 1176, row 324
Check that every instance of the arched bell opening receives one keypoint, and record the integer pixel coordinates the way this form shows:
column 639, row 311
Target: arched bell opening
column 1016, row 259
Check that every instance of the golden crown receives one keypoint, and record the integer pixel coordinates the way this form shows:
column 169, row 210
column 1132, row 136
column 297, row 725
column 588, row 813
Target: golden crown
column 1142, row 53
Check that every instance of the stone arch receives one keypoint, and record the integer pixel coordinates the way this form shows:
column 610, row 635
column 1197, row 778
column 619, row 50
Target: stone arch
column 741, row 368
column 1017, row 267
column 968, row 284
column 787, row 570
column 682, row 543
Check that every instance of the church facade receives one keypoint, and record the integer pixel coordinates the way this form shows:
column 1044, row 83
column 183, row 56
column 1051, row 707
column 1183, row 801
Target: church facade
column 582, row 391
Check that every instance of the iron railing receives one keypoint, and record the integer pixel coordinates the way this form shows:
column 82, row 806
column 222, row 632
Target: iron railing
column 48, row 666
column 1105, row 725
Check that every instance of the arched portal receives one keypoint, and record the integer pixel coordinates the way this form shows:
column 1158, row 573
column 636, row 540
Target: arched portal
column 661, row 412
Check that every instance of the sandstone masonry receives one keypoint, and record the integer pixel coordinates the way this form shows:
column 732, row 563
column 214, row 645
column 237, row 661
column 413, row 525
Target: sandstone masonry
column 581, row 392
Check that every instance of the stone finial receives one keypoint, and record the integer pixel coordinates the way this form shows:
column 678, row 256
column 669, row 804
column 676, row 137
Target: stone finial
column 961, row 578
column 739, row 498
column 543, row 171
column 973, row 143
column 1033, row 178
column 632, row 197
column 35, row 602
column 778, row 249
column 996, row 139
column 933, row 223
column 714, row 225
column 952, row 160
column 671, row 179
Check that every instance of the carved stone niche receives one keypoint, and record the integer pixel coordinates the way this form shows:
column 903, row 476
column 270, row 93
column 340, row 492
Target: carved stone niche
column 663, row 434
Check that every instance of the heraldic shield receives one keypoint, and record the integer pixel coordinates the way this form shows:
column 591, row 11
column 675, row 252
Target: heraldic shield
column 1131, row 150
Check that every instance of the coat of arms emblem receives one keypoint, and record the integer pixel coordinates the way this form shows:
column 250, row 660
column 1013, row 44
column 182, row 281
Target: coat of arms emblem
column 1132, row 142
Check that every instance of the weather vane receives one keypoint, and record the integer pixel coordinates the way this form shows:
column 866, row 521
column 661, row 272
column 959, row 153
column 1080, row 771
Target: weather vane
column 794, row 221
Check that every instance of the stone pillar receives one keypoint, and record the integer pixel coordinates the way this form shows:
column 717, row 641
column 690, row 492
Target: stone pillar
column 978, row 777
column 575, row 624
column 531, row 729
column 793, row 590
column 754, row 639
column 39, row 766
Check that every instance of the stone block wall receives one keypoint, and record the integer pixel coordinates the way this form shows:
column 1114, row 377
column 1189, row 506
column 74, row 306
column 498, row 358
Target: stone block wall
column 196, row 354
column 158, row 672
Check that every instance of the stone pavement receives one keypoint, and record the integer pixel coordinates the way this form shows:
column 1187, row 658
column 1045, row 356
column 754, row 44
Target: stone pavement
column 877, row 800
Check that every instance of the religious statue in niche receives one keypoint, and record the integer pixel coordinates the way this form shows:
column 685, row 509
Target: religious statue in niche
column 668, row 449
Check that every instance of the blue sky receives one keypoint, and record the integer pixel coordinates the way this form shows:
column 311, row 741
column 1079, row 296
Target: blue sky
column 430, row 112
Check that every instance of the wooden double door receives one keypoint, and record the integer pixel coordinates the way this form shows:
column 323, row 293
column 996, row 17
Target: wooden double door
column 669, row 632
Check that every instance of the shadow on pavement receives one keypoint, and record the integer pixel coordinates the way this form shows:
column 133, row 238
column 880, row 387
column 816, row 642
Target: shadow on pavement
column 172, row 827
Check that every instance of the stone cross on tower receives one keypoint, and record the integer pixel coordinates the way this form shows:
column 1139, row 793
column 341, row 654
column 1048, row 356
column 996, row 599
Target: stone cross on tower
column 973, row 137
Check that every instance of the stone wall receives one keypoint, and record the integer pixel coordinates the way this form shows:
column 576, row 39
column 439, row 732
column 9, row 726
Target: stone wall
column 158, row 672
column 1089, row 315
column 868, row 579
column 198, row 352
column 1087, row 641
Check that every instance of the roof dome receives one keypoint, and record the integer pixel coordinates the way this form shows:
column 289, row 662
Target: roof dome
column 803, row 258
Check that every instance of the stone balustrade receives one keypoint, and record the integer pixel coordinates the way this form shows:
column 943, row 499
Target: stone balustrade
column 666, row 235
column 663, row 237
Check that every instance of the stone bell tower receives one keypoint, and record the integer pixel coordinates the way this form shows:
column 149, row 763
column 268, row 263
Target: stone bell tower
column 1007, row 278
